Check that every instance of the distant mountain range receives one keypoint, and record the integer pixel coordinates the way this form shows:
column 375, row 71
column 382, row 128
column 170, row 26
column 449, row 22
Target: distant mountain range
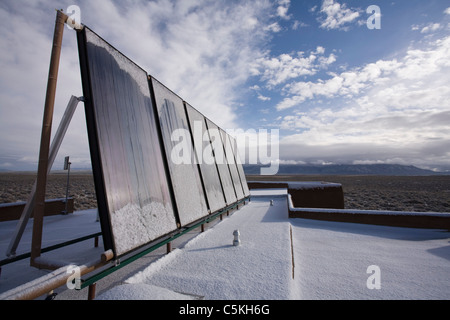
column 305, row 169
column 348, row 169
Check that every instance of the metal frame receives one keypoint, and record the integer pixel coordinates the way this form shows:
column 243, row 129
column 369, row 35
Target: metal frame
column 29, row 207
column 195, row 155
column 152, row 81
column 163, row 152
column 93, row 142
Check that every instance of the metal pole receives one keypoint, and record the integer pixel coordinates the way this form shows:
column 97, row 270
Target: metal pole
column 53, row 280
column 91, row 291
column 57, row 140
column 41, row 181
column 67, row 162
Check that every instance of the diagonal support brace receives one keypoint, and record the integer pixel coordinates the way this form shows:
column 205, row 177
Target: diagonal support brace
column 29, row 207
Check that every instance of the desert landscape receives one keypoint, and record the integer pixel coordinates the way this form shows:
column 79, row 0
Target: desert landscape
column 398, row 193
column 15, row 187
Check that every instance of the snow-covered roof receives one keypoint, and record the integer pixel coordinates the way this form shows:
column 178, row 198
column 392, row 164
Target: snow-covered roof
column 278, row 258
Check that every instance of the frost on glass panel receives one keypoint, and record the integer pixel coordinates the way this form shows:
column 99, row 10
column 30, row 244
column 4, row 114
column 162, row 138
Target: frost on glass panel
column 221, row 161
column 188, row 189
column 239, row 166
column 205, row 158
column 138, row 202
column 229, row 155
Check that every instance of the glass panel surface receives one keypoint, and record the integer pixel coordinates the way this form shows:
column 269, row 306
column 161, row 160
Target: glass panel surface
column 229, row 155
column 239, row 166
column 222, row 165
column 205, row 158
column 188, row 189
column 138, row 201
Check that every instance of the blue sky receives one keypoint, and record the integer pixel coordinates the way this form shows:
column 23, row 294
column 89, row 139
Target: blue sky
column 337, row 91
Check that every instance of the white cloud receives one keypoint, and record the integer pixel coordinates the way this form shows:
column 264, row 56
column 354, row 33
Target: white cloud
column 447, row 11
column 289, row 162
column 263, row 98
column 320, row 50
column 431, row 28
column 337, row 15
column 392, row 111
column 298, row 24
column 291, row 102
column 324, row 62
column 351, row 83
column 278, row 70
column 283, row 8
column 274, row 27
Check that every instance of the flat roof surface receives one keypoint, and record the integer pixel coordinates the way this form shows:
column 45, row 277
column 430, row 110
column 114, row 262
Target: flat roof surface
column 278, row 259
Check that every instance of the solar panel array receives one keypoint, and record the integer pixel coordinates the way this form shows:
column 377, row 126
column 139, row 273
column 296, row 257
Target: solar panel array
column 158, row 163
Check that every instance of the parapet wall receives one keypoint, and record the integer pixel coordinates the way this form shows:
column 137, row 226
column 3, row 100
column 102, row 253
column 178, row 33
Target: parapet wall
column 325, row 201
column 316, row 195
column 310, row 194
column 426, row 220
column 13, row 211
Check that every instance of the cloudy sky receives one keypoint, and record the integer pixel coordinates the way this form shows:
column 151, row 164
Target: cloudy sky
column 340, row 83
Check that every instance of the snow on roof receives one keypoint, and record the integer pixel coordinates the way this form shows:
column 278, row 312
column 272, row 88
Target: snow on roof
column 330, row 260
column 278, row 258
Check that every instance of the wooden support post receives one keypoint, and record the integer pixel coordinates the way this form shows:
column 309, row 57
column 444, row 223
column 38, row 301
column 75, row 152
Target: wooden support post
column 169, row 247
column 96, row 242
column 91, row 291
column 202, row 228
column 50, row 295
column 56, row 279
column 41, row 181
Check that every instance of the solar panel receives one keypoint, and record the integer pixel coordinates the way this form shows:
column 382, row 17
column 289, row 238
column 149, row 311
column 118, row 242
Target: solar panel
column 158, row 163
column 239, row 166
column 229, row 155
column 177, row 140
column 221, row 161
column 205, row 158
column 134, row 199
